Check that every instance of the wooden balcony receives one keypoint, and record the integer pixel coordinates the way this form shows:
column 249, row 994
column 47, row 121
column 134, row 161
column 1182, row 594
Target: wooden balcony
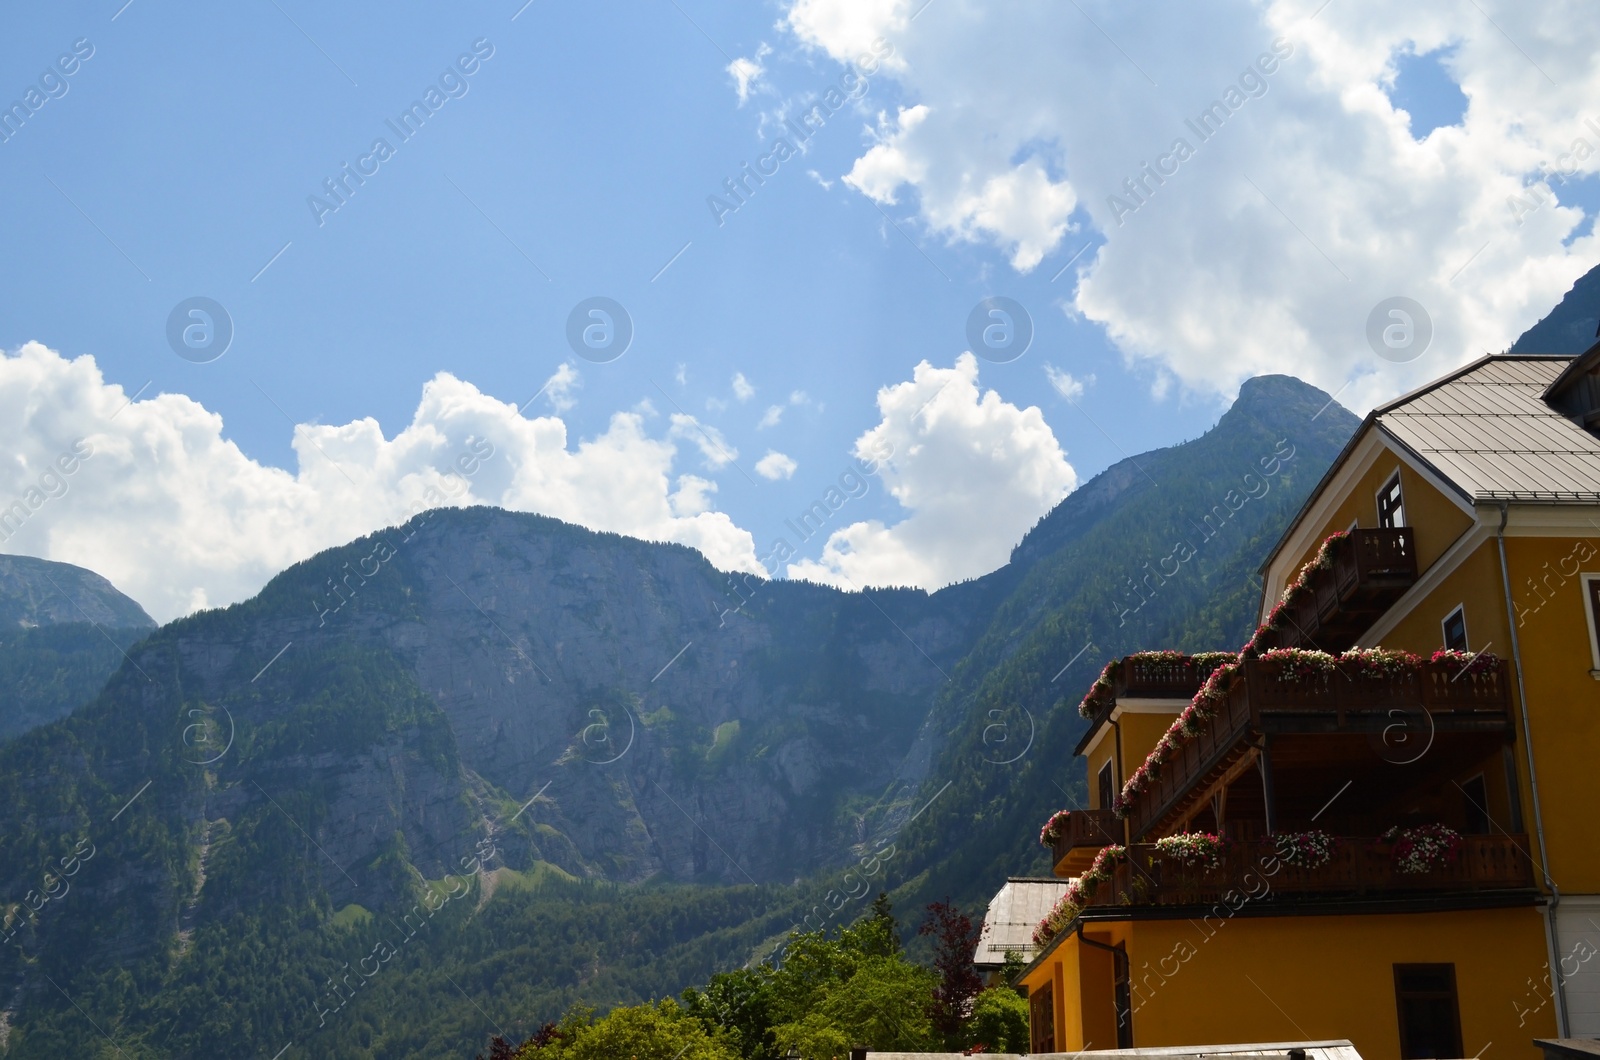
column 1261, row 699
column 1371, row 569
column 1360, row 866
column 1086, row 832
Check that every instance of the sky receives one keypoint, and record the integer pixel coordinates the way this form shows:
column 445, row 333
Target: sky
column 280, row 274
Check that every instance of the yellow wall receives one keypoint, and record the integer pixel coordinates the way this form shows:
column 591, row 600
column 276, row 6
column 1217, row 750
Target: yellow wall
column 1563, row 700
column 1289, row 978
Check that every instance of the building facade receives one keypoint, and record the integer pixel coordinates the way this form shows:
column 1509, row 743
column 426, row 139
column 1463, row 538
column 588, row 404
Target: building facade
column 1375, row 821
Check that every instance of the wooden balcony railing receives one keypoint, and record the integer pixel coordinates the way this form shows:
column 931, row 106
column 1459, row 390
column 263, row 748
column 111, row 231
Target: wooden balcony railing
column 1360, row 866
column 1262, row 697
column 1087, row 831
column 1371, row 570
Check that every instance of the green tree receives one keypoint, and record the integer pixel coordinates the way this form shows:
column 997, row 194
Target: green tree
column 883, row 1005
column 999, row 1021
column 662, row 1031
column 738, row 1003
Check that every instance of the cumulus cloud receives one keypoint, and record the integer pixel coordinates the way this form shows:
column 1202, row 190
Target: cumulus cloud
column 775, row 465
column 746, row 72
column 559, row 387
column 774, row 414
column 713, row 446
column 1264, row 244
column 179, row 518
column 971, row 471
column 742, row 388
column 1065, row 383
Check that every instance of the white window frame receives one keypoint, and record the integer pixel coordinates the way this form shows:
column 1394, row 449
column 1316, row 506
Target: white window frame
column 1377, row 498
column 1444, row 625
column 1584, row 579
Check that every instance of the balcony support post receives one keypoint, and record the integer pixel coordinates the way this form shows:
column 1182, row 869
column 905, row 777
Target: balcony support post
column 1264, row 762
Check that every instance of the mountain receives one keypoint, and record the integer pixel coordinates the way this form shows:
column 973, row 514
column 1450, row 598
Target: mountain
column 604, row 767
column 1572, row 326
column 1159, row 550
column 63, row 631
column 39, row 592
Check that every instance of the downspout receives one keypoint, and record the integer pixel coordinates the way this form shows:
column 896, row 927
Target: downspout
column 1557, row 988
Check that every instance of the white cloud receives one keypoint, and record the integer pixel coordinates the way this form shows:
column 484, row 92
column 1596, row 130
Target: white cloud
column 559, row 387
column 742, row 388
column 714, row 448
column 775, row 465
column 971, row 471
column 1065, row 384
column 770, row 418
column 1266, row 248
column 747, row 72
column 176, row 516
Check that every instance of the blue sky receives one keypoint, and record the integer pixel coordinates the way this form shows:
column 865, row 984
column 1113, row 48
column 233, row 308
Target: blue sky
column 579, row 162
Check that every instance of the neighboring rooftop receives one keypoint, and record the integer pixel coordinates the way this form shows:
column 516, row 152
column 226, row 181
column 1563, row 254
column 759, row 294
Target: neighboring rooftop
column 1014, row 912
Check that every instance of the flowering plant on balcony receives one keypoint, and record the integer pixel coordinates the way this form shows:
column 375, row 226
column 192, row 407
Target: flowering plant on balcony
column 1189, row 724
column 1102, row 693
column 1425, row 848
column 1299, row 664
column 1056, row 920
column 1305, row 850
column 1100, row 871
column 1079, row 893
column 1472, row 662
column 1381, row 662
column 1206, row 662
column 1054, row 828
column 1193, row 849
column 1322, row 561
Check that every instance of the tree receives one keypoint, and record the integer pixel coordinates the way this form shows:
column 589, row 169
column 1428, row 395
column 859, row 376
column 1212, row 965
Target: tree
column 662, row 1031
column 955, row 939
column 999, row 1021
column 738, row 1003
column 883, row 1005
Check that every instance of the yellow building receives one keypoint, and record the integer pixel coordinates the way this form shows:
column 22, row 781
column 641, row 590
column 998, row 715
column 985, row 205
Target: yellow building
column 1394, row 784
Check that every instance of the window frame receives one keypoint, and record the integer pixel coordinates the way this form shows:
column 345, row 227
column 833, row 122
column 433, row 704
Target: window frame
column 1400, row 487
column 1105, row 785
column 1587, row 582
column 1444, row 627
column 1400, row 996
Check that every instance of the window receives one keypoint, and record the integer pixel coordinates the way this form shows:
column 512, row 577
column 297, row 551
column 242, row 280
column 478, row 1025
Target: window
column 1391, row 506
column 1591, row 605
column 1430, row 1021
column 1476, row 794
column 1103, row 787
column 1042, row 1020
column 1455, row 629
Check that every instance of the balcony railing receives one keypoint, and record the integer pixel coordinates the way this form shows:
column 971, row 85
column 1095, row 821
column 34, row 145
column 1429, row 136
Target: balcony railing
column 1262, row 697
column 1371, row 570
column 1085, row 833
column 1360, row 866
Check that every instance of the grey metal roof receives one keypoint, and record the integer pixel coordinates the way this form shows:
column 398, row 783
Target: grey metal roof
column 1487, row 430
column 1014, row 912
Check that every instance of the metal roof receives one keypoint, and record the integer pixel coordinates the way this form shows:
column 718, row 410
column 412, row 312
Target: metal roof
column 1487, row 430
column 1014, row 912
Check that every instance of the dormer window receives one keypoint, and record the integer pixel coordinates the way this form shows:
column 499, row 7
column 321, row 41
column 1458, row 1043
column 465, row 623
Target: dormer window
column 1391, row 505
